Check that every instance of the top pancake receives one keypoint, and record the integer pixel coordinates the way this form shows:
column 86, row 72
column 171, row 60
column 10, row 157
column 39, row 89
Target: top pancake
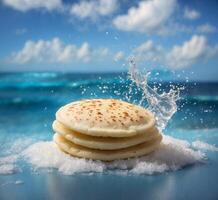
column 106, row 118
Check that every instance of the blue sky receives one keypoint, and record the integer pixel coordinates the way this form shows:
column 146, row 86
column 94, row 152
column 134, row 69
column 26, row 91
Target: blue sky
column 100, row 35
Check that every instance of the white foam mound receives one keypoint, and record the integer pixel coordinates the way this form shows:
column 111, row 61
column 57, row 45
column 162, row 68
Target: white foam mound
column 172, row 154
column 204, row 146
column 8, row 169
column 7, row 164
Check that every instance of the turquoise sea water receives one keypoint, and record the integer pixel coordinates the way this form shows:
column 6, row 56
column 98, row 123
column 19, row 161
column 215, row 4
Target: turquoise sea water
column 28, row 102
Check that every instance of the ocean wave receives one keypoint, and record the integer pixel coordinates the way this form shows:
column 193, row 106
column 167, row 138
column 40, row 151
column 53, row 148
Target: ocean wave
column 201, row 97
column 17, row 76
column 57, row 84
column 47, row 97
column 32, row 103
column 31, row 85
column 41, row 75
column 110, row 84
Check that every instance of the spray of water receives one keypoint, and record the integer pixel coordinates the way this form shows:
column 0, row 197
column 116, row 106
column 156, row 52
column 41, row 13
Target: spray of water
column 138, row 91
column 162, row 105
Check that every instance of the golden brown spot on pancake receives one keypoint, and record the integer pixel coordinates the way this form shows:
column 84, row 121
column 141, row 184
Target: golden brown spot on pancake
column 126, row 114
column 99, row 113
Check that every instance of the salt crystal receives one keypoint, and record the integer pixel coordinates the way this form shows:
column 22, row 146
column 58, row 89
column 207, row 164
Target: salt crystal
column 171, row 155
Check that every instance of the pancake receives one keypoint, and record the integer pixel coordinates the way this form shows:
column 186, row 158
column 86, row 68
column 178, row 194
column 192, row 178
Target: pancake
column 106, row 155
column 106, row 118
column 103, row 143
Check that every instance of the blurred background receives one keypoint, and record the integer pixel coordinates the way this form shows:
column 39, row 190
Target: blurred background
column 100, row 35
column 56, row 51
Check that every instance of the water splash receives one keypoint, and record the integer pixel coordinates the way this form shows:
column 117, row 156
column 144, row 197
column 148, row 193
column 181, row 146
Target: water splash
column 135, row 89
column 162, row 105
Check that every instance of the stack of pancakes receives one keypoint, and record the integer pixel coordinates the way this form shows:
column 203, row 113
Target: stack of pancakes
column 105, row 129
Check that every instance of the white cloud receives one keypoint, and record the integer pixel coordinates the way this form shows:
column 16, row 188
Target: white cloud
column 190, row 52
column 83, row 53
column 149, row 16
column 179, row 56
column 25, row 5
column 191, row 14
column 20, row 31
column 206, row 28
column 51, row 51
column 179, row 28
column 100, row 53
column 119, row 56
column 104, row 51
column 148, row 51
column 94, row 9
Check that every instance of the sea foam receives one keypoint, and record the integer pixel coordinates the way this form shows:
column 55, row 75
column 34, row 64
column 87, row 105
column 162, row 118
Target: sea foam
column 8, row 164
column 173, row 154
column 204, row 146
column 8, row 169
